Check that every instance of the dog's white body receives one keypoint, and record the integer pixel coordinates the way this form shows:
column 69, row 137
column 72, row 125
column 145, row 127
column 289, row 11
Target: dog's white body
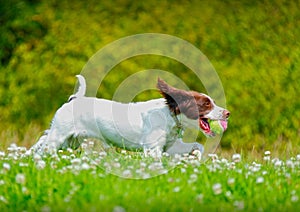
column 135, row 126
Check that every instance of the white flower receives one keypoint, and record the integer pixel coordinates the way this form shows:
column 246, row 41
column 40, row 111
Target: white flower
column 255, row 167
column 228, row 194
column 127, row 156
column 53, row 165
column 25, row 190
column 40, row 164
column 199, row 198
column 231, row 165
column 259, row 180
column 119, row 209
column 143, row 165
column 230, row 181
column 55, row 157
column 85, row 166
column 6, row 166
column 239, row 205
column 102, row 154
column 196, row 170
column 22, row 149
column 13, row 148
column 278, row 163
column 37, row 157
column 224, row 161
column 213, row 156
column 76, row 161
column 290, row 164
column 165, row 154
column 267, row 153
column 65, row 157
column 91, row 144
column 21, row 164
column 2, row 199
column 20, row 178
column 236, row 158
column 294, row 198
column 217, row 188
column 126, row 173
column 46, row 209
column 176, row 189
column 193, row 177
column 84, row 146
column 146, row 176
column 116, row 165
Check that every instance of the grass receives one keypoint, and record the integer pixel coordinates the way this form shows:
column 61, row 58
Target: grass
column 73, row 181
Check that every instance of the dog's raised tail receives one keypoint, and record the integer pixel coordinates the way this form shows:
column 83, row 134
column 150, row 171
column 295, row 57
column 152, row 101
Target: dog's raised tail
column 81, row 88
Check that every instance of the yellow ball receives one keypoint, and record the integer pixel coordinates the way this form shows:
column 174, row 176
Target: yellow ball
column 216, row 127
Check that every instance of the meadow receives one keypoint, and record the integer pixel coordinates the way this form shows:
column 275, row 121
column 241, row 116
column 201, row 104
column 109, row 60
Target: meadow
column 69, row 181
column 253, row 46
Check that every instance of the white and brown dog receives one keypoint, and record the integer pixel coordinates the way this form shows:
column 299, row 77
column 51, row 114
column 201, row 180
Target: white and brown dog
column 149, row 125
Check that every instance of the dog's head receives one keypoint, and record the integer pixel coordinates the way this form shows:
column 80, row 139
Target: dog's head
column 194, row 105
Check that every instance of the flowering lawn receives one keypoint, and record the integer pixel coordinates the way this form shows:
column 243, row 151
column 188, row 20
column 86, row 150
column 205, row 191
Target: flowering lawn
column 72, row 181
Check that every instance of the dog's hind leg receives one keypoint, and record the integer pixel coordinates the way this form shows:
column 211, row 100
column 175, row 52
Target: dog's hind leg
column 179, row 147
column 44, row 145
column 50, row 142
column 39, row 144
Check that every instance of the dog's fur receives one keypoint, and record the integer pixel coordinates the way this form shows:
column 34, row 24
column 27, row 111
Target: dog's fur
column 149, row 125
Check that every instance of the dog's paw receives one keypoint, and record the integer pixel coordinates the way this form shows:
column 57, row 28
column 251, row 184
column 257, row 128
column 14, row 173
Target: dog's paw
column 197, row 147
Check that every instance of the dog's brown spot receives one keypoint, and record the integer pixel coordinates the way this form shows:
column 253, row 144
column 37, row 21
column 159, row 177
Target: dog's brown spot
column 190, row 103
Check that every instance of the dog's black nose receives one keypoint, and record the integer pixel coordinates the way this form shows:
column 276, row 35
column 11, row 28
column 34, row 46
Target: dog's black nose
column 226, row 113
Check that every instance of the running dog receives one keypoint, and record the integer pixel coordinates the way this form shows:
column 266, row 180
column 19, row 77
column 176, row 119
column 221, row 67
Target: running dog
column 149, row 125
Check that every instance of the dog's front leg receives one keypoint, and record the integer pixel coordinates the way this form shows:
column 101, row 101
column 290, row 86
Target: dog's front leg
column 179, row 147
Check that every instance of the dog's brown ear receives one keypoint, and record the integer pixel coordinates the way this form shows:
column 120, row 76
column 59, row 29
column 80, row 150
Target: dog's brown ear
column 168, row 93
column 176, row 99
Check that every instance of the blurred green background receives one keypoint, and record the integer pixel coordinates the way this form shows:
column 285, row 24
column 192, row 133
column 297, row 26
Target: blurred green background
column 253, row 45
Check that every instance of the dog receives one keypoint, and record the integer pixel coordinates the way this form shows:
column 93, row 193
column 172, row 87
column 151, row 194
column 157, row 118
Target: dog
column 154, row 124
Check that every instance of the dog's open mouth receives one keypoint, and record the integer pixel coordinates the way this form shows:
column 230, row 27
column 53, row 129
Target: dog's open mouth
column 204, row 124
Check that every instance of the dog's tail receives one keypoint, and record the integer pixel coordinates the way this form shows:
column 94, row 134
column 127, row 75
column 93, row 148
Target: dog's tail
column 81, row 89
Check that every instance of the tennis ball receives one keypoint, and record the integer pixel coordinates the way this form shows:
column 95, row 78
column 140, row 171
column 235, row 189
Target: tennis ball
column 216, row 127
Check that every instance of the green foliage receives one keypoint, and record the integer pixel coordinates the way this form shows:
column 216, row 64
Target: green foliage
column 77, row 182
column 18, row 25
column 253, row 45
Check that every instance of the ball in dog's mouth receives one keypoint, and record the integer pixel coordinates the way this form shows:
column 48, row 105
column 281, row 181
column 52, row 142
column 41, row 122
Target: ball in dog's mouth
column 212, row 127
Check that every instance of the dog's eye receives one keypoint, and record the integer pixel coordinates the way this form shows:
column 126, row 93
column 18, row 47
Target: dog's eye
column 207, row 104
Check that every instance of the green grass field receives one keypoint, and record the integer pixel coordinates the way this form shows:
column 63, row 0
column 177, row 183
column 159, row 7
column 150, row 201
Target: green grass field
column 69, row 181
